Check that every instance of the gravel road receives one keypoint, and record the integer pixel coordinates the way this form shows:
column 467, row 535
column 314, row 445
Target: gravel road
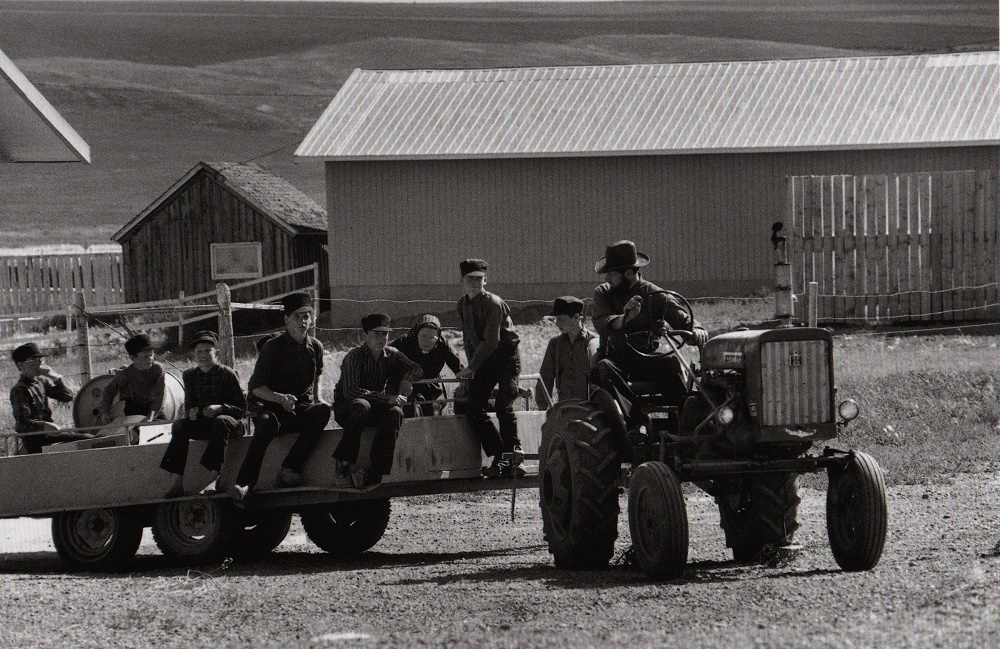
column 454, row 571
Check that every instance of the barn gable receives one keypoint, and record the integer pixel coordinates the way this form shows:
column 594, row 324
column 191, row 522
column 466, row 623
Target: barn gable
column 221, row 208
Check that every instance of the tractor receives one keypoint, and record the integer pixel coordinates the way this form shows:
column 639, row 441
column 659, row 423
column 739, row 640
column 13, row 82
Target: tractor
column 759, row 406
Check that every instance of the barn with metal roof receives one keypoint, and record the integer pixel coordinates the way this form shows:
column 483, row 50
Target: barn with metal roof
column 537, row 169
column 222, row 221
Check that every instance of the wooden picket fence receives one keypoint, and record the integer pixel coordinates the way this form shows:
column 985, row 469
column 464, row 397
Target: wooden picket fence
column 898, row 247
column 43, row 284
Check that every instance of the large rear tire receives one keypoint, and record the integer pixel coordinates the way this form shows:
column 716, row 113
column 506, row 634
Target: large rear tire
column 657, row 519
column 579, row 467
column 758, row 512
column 856, row 513
column 346, row 529
column 193, row 530
column 102, row 540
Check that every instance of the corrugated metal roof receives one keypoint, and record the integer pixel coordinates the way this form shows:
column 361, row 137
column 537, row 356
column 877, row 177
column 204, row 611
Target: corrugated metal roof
column 31, row 129
column 277, row 198
column 845, row 103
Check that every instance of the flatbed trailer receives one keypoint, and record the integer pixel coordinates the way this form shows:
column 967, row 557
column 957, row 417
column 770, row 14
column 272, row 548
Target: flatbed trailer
column 101, row 499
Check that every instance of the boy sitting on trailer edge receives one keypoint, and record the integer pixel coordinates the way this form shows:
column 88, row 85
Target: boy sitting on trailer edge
column 29, row 400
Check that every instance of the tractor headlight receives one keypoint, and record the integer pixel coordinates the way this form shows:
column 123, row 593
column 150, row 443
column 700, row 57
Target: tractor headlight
column 848, row 410
column 724, row 416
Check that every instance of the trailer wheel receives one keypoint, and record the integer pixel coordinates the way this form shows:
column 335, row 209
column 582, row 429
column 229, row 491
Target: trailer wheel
column 346, row 529
column 103, row 540
column 196, row 529
column 758, row 512
column 579, row 468
column 657, row 519
column 257, row 533
column 856, row 513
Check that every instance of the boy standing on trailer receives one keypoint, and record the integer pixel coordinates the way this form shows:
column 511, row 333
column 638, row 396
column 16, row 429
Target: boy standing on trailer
column 29, row 400
column 281, row 395
column 214, row 405
column 568, row 356
column 361, row 400
column 491, row 346
column 140, row 385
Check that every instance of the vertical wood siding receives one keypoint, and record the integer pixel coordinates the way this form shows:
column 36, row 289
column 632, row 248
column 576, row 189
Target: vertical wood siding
column 399, row 228
column 170, row 250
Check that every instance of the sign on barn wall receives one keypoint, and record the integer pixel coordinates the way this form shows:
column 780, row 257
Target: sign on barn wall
column 237, row 260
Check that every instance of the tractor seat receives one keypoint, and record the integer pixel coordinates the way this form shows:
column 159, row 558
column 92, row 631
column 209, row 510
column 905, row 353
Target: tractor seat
column 647, row 388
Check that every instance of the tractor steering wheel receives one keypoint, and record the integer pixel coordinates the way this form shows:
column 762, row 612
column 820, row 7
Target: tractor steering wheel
column 678, row 337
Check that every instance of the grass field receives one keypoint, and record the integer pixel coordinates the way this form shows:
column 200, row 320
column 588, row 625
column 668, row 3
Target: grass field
column 156, row 87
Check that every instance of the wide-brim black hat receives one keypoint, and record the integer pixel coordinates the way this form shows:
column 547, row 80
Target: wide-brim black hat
column 619, row 256
column 296, row 301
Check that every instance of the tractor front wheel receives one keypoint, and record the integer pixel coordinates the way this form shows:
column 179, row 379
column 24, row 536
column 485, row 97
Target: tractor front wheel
column 97, row 539
column 579, row 468
column 346, row 529
column 657, row 519
column 856, row 513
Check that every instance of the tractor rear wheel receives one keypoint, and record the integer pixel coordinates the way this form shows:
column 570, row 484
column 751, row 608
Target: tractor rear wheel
column 758, row 512
column 194, row 529
column 856, row 513
column 103, row 540
column 579, row 467
column 657, row 519
column 346, row 529
column 257, row 533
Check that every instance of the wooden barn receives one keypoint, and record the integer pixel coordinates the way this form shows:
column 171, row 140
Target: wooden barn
column 538, row 169
column 223, row 222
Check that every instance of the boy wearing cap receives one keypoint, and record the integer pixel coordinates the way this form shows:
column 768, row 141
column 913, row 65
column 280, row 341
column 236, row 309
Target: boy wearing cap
column 491, row 346
column 29, row 400
column 360, row 400
column 281, row 396
column 214, row 405
column 568, row 356
column 425, row 346
column 140, row 385
column 627, row 304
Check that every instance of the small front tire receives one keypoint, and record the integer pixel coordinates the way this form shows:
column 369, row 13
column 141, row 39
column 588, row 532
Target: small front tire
column 856, row 513
column 193, row 530
column 657, row 519
column 346, row 529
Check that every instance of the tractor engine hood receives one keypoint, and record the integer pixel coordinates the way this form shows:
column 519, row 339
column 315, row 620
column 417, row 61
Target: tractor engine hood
column 730, row 351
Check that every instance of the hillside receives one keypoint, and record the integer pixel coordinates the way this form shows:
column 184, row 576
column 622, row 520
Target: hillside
column 156, row 87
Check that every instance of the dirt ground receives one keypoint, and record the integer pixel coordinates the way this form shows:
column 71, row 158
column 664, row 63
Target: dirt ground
column 454, row 571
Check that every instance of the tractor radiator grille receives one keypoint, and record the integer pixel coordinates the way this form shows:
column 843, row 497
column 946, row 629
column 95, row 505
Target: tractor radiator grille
column 795, row 383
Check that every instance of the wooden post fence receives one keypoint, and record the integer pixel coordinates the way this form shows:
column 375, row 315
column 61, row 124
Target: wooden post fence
column 897, row 247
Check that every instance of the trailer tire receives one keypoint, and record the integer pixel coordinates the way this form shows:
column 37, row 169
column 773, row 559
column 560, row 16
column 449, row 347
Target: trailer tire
column 255, row 534
column 346, row 529
column 856, row 513
column 758, row 512
column 100, row 540
column 579, row 467
column 657, row 518
column 194, row 529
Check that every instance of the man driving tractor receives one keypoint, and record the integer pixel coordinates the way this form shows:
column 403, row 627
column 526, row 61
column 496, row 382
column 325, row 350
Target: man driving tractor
column 625, row 305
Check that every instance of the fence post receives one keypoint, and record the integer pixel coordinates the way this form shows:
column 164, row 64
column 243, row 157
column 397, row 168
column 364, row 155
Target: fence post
column 315, row 292
column 70, row 309
column 180, row 319
column 227, row 346
column 812, row 303
column 782, row 277
column 83, row 338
